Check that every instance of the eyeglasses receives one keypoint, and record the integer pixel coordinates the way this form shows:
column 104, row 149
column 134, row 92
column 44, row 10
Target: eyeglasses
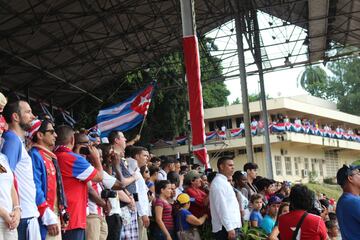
column 51, row 131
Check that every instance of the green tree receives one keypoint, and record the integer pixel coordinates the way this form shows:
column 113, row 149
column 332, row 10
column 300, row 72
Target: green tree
column 237, row 101
column 341, row 85
column 314, row 80
column 167, row 112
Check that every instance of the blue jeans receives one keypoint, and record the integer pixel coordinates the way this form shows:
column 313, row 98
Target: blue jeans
column 74, row 234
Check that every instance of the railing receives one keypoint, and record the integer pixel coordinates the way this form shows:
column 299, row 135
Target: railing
column 276, row 128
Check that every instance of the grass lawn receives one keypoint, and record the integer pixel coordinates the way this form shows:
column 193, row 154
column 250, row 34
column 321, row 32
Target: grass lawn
column 331, row 191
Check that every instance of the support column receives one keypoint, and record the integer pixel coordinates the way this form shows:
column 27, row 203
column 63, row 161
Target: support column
column 240, row 25
column 258, row 60
column 193, row 77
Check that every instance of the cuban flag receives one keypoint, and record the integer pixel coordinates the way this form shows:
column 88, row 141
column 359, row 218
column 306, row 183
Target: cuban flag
column 210, row 135
column 279, row 127
column 236, row 132
column 125, row 115
column 181, row 140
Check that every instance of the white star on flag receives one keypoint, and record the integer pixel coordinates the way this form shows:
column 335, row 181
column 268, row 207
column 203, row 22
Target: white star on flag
column 144, row 100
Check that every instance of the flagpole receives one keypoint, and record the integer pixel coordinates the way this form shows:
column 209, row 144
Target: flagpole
column 142, row 125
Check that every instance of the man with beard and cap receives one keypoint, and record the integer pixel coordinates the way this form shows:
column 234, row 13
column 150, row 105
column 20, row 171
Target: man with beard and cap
column 19, row 116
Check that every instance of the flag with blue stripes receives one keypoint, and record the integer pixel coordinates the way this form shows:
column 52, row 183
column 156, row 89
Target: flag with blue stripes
column 127, row 114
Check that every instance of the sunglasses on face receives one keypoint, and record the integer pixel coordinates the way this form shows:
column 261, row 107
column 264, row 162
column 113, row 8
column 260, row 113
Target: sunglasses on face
column 51, row 131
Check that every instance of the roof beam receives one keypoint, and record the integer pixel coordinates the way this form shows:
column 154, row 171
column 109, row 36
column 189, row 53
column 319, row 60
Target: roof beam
column 318, row 25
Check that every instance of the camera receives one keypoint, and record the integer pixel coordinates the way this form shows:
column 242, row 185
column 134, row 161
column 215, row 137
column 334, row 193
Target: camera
column 84, row 151
column 65, row 217
column 107, row 193
column 136, row 197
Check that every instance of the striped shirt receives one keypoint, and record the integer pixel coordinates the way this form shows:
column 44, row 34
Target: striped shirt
column 167, row 217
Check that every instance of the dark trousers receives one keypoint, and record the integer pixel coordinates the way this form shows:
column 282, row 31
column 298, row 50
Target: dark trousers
column 223, row 234
column 74, row 234
column 22, row 228
column 114, row 223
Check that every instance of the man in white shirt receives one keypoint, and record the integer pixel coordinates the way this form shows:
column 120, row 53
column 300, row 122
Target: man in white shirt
column 18, row 115
column 224, row 207
column 139, row 158
column 167, row 165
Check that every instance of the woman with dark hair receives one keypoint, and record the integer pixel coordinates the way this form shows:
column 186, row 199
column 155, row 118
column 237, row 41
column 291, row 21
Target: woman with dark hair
column 312, row 226
column 163, row 212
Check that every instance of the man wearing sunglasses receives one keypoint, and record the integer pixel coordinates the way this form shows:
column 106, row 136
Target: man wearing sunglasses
column 48, row 181
column 348, row 206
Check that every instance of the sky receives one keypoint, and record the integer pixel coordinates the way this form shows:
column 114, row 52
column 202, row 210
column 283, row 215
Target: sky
column 281, row 40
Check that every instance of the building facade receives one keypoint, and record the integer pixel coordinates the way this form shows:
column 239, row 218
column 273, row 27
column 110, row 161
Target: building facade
column 310, row 138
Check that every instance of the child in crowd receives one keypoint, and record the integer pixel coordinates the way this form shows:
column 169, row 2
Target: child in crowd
column 268, row 222
column 185, row 220
column 255, row 216
column 332, row 230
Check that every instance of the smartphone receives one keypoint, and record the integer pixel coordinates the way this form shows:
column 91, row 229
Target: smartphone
column 84, row 151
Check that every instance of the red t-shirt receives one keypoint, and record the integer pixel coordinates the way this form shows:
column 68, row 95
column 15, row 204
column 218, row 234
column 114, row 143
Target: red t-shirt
column 312, row 228
column 167, row 217
column 197, row 208
column 76, row 171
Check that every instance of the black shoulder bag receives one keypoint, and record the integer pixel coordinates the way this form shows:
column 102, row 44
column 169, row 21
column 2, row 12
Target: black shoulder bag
column 299, row 225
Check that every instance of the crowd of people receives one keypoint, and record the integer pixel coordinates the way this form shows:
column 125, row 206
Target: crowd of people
column 59, row 183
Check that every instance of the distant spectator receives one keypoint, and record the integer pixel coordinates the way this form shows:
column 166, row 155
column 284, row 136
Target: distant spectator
column 266, row 188
column 167, row 165
column 251, row 173
column 255, row 215
column 201, row 204
column 240, row 181
column 155, row 161
column 153, row 172
column 332, row 230
column 269, row 219
column 174, row 178
column 283, row 209
column 348, row 206
column 312, row 227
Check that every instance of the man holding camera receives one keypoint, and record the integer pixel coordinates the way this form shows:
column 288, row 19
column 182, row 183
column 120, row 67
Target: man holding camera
column 76, row 171
column 50, row 197
column 96, row 226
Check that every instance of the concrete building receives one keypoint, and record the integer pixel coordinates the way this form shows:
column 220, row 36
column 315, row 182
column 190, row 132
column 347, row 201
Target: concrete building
column 296, row 155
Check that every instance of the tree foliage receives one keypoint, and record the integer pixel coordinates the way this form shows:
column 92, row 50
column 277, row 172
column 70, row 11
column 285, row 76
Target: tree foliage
column 341, row 85
column 167, row 114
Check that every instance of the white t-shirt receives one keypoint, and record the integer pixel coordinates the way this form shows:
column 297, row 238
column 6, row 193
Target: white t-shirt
column 27, row 191
column 7, row 181
column 108, row 182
